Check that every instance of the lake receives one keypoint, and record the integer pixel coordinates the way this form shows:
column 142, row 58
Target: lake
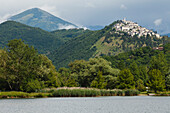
column 114, row 104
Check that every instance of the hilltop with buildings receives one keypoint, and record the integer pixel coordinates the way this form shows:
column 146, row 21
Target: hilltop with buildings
column 133, row 29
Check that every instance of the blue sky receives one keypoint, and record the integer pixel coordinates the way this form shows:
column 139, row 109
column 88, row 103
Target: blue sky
column 153, row 14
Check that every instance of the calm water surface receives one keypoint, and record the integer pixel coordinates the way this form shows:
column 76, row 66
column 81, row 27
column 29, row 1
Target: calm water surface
column 113, row 104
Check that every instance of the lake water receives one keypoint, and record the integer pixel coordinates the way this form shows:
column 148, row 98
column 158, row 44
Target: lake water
column 115, row 104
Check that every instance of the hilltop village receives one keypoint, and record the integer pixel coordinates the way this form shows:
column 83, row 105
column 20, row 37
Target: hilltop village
column 133, row 29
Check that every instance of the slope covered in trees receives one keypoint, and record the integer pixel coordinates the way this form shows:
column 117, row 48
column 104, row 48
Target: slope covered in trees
column 42, row 40
column 99, row 43
column 68, row 34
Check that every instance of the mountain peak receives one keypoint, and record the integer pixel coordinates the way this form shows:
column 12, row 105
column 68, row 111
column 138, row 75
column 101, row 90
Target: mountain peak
column 37, row 17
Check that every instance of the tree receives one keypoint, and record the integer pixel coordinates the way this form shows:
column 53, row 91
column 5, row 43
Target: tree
column 125, row 80
column 159, row 63
column 99, row 81
column 168, row 82
column 156, row 81
column 86, row 71
column 66, row 78
column 140, row 85
column 135, row 70
column 20, row 64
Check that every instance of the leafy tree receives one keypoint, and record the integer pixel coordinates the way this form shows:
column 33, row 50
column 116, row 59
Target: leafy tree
column 125, row 80
column 156, row 81
column 135, row 70
column 140, row 85
column 33, row 86
column 66, row 78
column 99, row 81
column 159, row 63
column 20, row 64
column 168, row 82
column 86, row 71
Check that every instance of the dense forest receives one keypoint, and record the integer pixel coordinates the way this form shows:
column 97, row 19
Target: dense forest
column 22, row 68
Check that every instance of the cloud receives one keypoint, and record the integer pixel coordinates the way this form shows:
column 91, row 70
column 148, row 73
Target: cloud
column 123, row 7
column 5, row 17
column 61, row 26
column 157, row 22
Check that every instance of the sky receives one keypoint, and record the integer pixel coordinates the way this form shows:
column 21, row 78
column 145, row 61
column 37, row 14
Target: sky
column 153, row 14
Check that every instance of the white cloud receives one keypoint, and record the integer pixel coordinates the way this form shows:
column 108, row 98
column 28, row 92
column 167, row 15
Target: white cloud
column 157, row 22
column 123, row 7
column 4, row 18
column 61, row 26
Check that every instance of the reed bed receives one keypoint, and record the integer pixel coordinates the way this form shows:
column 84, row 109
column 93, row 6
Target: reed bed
column 70, row 92
column 92, row 93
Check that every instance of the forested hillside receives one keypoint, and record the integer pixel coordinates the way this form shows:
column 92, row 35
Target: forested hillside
column 68, row 34
column 99, row 43
column 42, row 40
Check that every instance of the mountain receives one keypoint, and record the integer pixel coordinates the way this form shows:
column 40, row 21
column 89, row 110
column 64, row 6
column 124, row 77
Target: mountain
column 38, row 18
column 107, row 41
column 42, row 40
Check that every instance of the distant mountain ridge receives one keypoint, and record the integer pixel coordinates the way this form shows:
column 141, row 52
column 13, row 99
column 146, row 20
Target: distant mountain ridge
column 36, row 17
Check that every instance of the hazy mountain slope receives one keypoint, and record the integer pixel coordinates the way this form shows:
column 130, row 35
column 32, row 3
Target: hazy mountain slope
column 42, row 40
column 38, row 18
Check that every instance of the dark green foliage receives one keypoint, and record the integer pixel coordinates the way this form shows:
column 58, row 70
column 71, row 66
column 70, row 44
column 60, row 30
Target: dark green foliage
column 66, row 79
column 125, row 80
column 140, row 85
column 168, row 82
column 87, row 71
column 141, row 56
column 99, row 81
column 131, row 92
column 159, row 63
column 156, row 80
column 33, row 86
column 24, row 69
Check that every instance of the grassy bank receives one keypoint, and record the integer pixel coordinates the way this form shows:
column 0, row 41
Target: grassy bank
column 69, row 93
column 15, row 94
column 78, row 92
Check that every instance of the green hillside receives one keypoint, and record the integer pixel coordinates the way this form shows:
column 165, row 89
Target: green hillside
column 141, row 56
column 67, row 34
column 98, row 43
column 42, row 40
